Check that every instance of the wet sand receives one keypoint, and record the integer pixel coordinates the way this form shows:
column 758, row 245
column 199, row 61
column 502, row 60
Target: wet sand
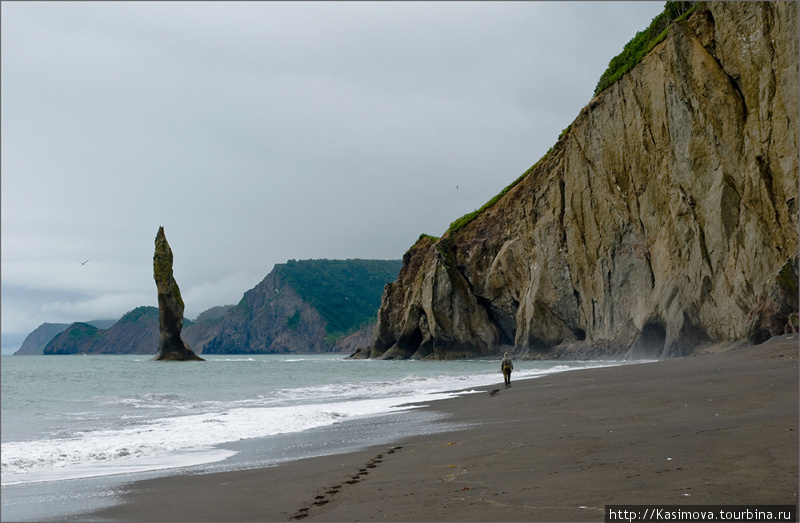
column 711, row 429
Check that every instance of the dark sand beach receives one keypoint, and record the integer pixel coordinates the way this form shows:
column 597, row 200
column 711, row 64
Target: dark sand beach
column 711, row 429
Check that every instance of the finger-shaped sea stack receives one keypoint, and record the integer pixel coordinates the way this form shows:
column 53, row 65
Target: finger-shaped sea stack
column 170, row 306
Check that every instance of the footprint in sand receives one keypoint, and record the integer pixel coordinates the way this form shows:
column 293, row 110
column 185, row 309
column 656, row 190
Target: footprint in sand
column 302, row 513
column 321, row 500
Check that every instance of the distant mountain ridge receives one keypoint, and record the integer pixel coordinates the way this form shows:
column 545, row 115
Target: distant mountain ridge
column 135, row 333
column 36, row 341
column 301, row 306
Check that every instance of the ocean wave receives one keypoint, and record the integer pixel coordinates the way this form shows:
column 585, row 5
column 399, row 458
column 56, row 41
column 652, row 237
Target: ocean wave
column 151, row 400
column 150, row 429
column 180, row 433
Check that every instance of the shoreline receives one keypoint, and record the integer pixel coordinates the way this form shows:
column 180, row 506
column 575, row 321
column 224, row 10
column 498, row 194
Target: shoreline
column 711, row 429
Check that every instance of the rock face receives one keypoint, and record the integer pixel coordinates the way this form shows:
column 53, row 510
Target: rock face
column 308, row 306
column 664, row 219
column 270, row 318
column 358, row 341
column 170, row 306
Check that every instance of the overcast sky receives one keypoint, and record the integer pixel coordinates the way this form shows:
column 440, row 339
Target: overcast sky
column 259, row 132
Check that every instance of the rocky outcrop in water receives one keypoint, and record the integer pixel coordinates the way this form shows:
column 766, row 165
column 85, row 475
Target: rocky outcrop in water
column 663, row 220
column 170, row 306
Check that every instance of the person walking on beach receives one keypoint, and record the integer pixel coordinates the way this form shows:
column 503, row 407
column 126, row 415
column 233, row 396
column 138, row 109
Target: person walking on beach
column 506, row 366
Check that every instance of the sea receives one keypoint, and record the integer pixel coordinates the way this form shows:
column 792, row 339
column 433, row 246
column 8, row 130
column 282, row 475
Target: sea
column 75, row 429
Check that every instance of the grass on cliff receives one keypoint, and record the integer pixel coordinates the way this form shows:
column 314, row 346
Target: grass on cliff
column 346, row 293
column 464, row 220
column 139, row 313
column 632, row 54
column 81, row 331
column 644, row 41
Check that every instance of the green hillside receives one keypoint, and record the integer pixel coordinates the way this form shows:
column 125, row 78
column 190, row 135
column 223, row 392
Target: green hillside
column 138, row 313
column 347, row 293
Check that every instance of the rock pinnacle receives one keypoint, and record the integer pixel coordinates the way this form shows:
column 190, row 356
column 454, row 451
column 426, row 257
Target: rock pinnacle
column 170, row 306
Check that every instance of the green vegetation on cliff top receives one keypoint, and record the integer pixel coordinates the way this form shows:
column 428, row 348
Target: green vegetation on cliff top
column 464, row 220
column 346, row 293
column 81, row 330
column 632, row 54
column 138, row 313
column 641, row 44
column 146, row 312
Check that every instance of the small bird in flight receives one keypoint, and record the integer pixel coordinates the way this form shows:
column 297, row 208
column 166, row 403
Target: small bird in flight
column 84, row 262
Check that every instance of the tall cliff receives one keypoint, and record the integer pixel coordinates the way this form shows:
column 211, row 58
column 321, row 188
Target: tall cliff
column 665, row 217
column 305, row 306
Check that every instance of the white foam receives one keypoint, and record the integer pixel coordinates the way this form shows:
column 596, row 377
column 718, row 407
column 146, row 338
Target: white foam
column 162, row 461
column 186, row 439
column 165, row 442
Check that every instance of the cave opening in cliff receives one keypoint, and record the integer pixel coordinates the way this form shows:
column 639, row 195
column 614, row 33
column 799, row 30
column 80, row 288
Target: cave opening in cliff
column 650, row 341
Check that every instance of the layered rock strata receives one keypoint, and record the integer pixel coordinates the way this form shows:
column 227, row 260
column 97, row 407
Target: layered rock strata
column 663, row 220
